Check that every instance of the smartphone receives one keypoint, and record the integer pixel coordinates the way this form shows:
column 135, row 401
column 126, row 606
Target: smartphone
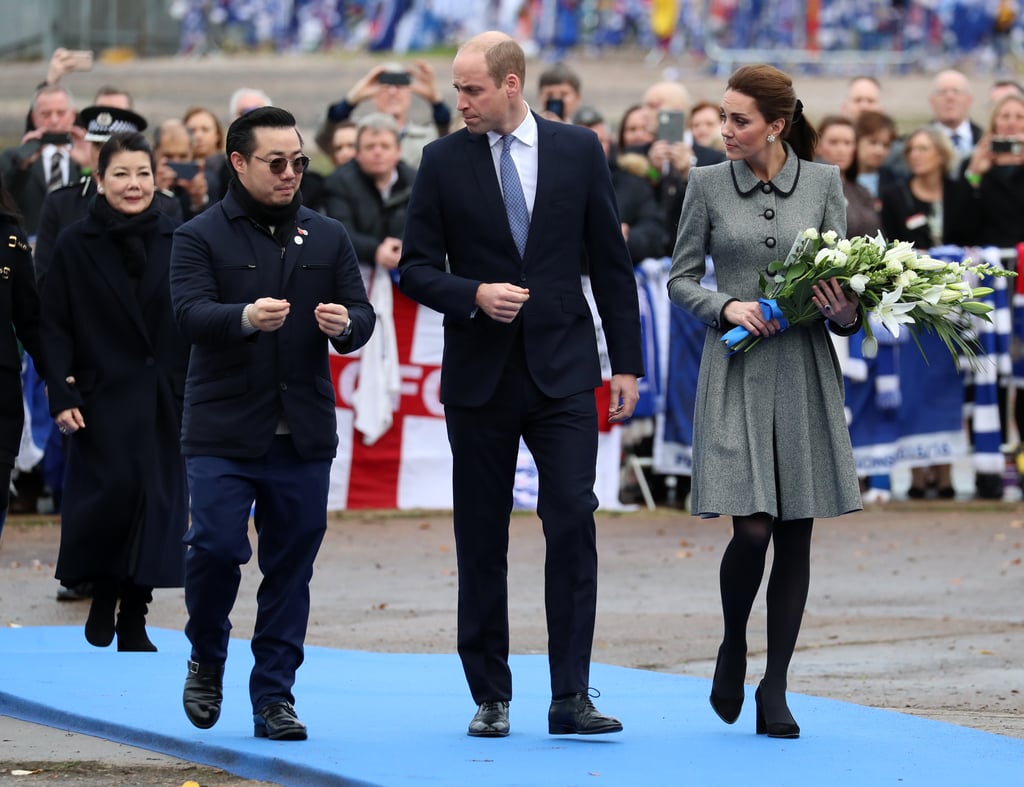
column 555, row 106
column 185, row 170
column 53, row 138
column 670, row 125
column 1006, row 145
column 80, row 60
column 395, row 78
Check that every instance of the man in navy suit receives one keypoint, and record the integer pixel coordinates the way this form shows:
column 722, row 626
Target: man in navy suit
column 521, row 360
column 260, row 285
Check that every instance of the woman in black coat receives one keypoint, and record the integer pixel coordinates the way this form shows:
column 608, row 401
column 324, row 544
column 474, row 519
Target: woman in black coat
column 19, row 314
column 988, row 202
column 115, row 382
column 918, row 211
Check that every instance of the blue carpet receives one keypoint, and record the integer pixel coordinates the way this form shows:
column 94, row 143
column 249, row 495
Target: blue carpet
column 396, row 719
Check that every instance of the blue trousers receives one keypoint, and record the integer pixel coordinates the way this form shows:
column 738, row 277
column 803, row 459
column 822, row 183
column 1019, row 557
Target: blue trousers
column 290, row 496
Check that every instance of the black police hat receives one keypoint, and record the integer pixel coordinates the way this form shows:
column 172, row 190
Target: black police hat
column 587, row 116
column 100, row 122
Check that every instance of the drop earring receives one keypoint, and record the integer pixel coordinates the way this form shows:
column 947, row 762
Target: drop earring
column 770, row 138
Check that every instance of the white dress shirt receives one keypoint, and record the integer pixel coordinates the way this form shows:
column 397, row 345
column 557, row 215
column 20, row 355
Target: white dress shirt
column 524, row 155
column 48, row 151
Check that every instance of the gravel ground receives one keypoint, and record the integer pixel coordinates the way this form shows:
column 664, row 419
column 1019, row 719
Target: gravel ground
column 913, row 607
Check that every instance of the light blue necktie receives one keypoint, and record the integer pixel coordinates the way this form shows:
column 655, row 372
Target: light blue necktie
column 515, row 202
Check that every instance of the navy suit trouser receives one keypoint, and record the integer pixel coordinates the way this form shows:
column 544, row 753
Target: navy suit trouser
column 562, row 437
column 290, row 515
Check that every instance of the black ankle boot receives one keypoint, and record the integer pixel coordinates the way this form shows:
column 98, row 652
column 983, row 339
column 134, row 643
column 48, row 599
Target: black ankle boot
column 203, row 693
column 131, row 619
column 99, row 626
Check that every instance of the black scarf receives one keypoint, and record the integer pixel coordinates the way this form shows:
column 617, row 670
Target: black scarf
column 280, row 217
column 130, row 234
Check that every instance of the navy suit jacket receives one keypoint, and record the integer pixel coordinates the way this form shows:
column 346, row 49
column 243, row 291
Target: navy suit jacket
column 238, row 386
column 457, row 236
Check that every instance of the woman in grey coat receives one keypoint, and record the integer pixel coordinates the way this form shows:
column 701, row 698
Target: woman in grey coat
column 771, row 446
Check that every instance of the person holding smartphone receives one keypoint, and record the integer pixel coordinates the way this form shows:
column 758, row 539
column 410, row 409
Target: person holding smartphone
column 991, row 190
column 49, row 156
column 177, row 172
column 670, row 156
column 559, row 93
column 391, row 87
column 986, row 208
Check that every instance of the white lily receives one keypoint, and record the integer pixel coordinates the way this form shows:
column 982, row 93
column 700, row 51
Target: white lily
column 892, row 313
column 901, row 251
column 906, row 278
column 932, row 294
column 928, row 264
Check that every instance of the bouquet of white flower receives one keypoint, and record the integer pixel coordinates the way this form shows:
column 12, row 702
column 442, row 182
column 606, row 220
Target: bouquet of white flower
column 896, row 283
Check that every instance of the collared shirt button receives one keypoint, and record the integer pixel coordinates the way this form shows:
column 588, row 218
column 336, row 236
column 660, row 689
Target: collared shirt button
column 769, row 214
column 284, row 386
column 766, row 188
column 769, row 242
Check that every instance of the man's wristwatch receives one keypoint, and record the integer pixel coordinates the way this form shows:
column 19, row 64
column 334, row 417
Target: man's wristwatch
column 347, row 330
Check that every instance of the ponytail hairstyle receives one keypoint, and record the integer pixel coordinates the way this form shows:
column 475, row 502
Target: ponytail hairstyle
column 775, row 98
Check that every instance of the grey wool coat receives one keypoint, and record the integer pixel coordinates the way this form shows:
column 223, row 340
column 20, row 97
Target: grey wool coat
column 770, row 433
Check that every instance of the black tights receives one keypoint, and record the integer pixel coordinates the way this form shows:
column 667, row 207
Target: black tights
column 740, row 578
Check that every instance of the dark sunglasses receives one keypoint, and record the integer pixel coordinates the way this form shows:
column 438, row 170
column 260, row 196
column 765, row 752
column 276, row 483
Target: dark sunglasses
column 277, row 165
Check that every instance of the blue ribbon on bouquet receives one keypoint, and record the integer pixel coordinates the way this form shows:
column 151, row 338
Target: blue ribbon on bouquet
column 769, row 309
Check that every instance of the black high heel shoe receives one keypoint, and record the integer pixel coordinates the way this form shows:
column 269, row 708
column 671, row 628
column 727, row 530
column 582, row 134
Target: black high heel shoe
column 727, row 708
column 776, row 728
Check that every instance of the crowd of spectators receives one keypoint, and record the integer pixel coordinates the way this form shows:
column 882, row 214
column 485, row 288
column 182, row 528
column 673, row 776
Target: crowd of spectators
column 927, row 31
column 372, row 148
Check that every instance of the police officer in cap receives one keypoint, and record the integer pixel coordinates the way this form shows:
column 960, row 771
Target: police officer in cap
column 70, row 203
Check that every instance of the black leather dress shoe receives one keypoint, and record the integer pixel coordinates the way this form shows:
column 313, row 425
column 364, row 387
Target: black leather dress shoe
column 490, row 721
column 576, row 715
column 278, row 722
column 203, row 694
